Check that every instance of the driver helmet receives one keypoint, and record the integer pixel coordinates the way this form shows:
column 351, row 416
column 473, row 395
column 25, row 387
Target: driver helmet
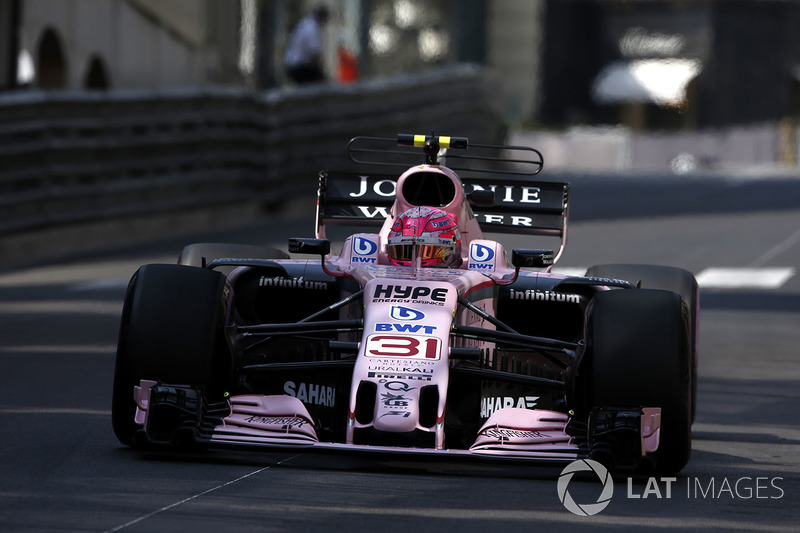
column 432, row 231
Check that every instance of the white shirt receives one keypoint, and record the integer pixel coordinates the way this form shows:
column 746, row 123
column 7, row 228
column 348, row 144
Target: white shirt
column 305, row 43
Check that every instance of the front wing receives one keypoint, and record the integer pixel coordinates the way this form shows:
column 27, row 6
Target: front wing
column 279, row 422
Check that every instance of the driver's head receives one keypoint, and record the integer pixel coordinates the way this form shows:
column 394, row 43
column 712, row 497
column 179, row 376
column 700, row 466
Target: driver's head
column 433, row 232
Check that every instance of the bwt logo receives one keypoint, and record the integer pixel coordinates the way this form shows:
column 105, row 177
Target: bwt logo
column 364, row 247
column 400, row 312
column 480, row 253
column 480, row 256
column 440, row 223
column 405, row 328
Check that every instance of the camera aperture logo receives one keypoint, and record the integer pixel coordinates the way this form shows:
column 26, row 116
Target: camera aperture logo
column 585, row 509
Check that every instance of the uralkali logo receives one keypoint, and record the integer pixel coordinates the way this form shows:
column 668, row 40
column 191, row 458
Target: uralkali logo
column 585, row 509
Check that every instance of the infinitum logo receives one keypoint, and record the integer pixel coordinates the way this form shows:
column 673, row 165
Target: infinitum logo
column 585, row 509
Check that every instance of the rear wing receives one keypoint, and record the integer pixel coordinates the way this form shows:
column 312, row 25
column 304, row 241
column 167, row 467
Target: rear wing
column 520, row 206
column 353, row 199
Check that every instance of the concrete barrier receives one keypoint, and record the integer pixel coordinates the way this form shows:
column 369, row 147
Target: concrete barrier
column 72, row 159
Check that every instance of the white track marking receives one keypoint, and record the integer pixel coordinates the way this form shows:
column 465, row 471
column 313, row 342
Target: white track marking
column 741, row 278
column 570, row 271
column 778, row 249
column 751, row 277
column 190, row 498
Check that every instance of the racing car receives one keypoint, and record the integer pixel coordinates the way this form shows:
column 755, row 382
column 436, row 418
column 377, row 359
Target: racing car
column 420, row 337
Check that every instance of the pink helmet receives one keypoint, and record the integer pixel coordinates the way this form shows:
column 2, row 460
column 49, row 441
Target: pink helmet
column 433, row 232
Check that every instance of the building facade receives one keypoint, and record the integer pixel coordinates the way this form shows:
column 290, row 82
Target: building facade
column 98, row 44
column 665, row 64
column 647, row 64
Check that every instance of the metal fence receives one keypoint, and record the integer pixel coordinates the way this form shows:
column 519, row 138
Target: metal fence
column 69, row 158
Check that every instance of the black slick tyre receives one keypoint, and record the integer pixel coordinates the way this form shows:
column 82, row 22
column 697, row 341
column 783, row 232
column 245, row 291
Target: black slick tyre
column 639, row 356
column 666, row 278
column 172, row 330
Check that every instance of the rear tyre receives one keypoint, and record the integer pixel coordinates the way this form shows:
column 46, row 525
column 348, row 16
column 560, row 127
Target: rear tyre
column 666, row 278
column 639, row 356
column 172, row 330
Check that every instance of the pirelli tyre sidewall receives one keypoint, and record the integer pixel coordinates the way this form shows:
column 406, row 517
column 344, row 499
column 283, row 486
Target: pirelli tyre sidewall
column 667, row 278
column 172, row 330
column 639, row 356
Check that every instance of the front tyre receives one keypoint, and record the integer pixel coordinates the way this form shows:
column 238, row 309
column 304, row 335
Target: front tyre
column 638, row 344
column 172, row 331
column 666, row 278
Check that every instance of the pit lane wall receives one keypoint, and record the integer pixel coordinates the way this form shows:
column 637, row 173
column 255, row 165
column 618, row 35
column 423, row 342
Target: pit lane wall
column 76, row 160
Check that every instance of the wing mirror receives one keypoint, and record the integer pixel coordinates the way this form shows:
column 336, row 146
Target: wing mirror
column 320, row 247
column 532, row 258
column 528, row 258
column 298, row 245
column 481, row 198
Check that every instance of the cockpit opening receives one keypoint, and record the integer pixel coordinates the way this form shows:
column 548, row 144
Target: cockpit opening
column 429, row 188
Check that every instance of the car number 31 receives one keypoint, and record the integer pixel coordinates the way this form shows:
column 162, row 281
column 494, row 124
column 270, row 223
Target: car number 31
column 405, row 346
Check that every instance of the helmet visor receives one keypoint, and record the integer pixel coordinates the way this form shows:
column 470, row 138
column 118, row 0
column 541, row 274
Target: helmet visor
column 426, row 252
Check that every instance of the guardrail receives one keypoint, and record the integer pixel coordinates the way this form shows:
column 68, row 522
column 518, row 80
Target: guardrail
column 68, row 158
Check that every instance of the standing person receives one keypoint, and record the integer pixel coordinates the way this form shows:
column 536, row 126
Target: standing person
column 303, row 60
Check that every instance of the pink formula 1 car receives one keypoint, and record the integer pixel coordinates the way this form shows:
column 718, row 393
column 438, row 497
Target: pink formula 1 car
column 418, row 337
